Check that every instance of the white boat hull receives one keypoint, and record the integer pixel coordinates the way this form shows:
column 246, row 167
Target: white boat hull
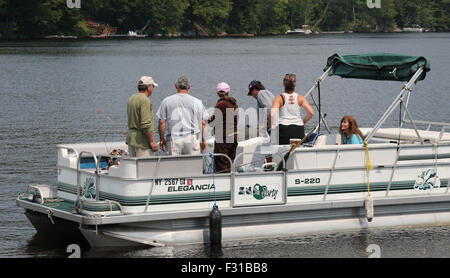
column 322, row 189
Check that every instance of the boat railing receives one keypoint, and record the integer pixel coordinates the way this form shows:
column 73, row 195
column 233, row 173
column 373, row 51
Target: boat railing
column 442, row 125
column 399, row 157
column 258, row 175
column 332, row 169
column 235, row 171
column 235, row 164
column 232, row 170
column 98, row 161
column 155, row 172
column 211, row 155
column 435, row 159
column 79, row 171
column 84, row 204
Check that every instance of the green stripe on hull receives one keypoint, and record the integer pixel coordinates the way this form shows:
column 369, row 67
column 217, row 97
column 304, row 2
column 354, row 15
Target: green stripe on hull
column 154, row 200
column 348, row 188
column 225, row 196
column 166, row 199
column 423, row 156
column 68, row 188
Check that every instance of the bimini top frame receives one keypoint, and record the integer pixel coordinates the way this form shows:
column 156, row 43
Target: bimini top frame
column 380, row 66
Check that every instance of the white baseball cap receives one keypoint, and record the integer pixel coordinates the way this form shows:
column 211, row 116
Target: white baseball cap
column 147, row 80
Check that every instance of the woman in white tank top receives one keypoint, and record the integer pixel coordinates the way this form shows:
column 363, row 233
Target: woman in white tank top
column 288, row 106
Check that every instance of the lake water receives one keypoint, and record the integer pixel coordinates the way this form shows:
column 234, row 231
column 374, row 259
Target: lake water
column 51, row 91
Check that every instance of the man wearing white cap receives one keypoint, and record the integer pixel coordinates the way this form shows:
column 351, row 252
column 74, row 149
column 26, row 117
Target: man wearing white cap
column 140, row 139
column 225, row 120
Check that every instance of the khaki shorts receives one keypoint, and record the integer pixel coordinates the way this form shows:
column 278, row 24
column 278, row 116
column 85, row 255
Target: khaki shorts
column 139, row 152
column 188, row 144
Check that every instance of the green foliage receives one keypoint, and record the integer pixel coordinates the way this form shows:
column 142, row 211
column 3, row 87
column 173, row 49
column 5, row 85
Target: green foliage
column 208, row 17
column 38, row 18
column 35, row 18
column 243, row 17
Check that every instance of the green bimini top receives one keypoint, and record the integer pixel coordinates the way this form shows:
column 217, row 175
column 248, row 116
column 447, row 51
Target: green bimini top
column 378, row 66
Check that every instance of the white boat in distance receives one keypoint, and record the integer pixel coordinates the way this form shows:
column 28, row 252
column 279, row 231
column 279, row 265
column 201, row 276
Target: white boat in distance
column 415, row 28
column 401, row 177
column 304, row 31
column 134, row 34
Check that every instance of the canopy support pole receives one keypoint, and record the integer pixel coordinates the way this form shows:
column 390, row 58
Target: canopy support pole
column 321, row 79
column 412, row 122
column 404, row 114
column 398, row 99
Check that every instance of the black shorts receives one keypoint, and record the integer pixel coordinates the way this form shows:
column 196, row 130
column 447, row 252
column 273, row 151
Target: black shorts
column 287, row 132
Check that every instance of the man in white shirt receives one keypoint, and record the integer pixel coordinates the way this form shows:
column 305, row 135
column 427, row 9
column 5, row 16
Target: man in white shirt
column 182, row 121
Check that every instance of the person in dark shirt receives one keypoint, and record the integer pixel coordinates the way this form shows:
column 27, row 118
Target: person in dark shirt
column 264, row 99
column 225, row 120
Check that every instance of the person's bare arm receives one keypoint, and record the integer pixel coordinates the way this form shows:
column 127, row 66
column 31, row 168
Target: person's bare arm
column 152, row 142
column 275, row 107
column 203, row 142
column 309, row 111
column 161, row 130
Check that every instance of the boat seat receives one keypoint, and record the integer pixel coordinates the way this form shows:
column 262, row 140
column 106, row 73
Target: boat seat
column 67, row 153
column 333, row 139
column 407, row 134
column 321, row 140
column 347, row 156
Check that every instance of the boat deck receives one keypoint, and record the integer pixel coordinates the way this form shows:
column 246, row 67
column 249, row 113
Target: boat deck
column 61, row 204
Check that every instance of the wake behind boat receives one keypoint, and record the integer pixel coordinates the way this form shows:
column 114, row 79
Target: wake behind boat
column 400, row 177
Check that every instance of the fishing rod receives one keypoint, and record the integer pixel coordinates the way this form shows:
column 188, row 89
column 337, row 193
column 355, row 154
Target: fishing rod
column 113, row 123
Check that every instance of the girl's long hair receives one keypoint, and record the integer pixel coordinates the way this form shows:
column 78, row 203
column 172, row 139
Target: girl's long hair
column 352, row 128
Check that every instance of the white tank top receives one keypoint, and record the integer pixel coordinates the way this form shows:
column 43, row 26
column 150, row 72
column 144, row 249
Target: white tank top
column 290, row 112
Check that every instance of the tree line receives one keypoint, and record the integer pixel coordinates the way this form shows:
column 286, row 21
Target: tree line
column 23, row 19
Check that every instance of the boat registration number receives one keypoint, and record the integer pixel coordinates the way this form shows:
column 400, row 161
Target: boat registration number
column 173, row 181
column 307, row 181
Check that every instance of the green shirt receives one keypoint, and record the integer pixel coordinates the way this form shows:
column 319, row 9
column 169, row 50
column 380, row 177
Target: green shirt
column 140, row 120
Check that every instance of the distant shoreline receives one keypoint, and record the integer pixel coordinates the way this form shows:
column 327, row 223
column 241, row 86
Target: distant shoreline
column 181, row 36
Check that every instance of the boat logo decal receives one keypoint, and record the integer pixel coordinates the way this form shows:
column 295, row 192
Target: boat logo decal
column 88, row 189
column 258, row 191
column 427, row 180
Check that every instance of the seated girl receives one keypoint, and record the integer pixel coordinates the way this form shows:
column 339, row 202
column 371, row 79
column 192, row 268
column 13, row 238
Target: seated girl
column 350, row 133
